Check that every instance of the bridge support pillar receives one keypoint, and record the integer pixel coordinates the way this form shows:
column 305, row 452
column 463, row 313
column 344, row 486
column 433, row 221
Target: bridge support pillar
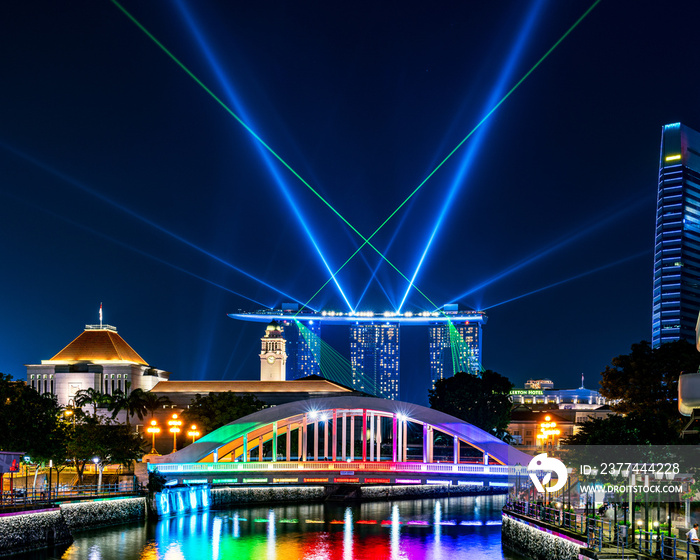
column 379, row 438
column 352, row 436
column 393, row 438
column 371, row 436
column 304, row 428
column 315, row 440
column 245, row 448
column 456, row 451
column 325, row 439
column 335, row 435
column 426, row 454
column 260, row 449
column 289, row 442
column 274, row 441
column 405, row 441
column 364, row 434
column 345, row 437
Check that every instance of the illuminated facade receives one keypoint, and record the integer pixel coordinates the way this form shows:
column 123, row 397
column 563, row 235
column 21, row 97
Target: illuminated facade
column 676, row 295
column 455, row 343
column 374, row 358
column 273, row 357
column 454, row 346
column 99, row 358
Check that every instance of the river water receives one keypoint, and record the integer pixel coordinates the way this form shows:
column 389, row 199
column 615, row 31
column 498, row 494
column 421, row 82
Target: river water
column 435, row 529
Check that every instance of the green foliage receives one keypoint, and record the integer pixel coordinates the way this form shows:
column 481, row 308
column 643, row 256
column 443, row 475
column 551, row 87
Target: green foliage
column 31, row 423
column 134, row 403
column 644, row 385
column 481, row 401
column 633, row 429
column 218, row 409
column 156, row 482
column 91, row 397
column 110, row 443
column 152, row 402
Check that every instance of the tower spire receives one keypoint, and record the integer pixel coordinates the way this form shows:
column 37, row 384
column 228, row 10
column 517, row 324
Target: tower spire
column 100, row 314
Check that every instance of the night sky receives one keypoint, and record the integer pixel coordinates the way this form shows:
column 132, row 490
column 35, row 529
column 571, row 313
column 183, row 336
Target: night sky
column 124, row 182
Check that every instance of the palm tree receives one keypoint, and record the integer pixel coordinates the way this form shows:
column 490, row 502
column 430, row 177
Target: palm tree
column 92, row 397
column 154, row 402
column 134, row 404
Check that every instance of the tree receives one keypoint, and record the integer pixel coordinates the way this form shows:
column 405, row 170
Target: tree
column 218, row 409
column 154, row 402
column 481, row 401
column 110, row 443
column 134, row 404
column 645, row 383
column 31, row 423
column 90, row 397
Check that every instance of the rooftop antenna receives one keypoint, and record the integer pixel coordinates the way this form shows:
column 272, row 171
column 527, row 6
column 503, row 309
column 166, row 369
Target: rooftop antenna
column 582, row 386
column 100, row 314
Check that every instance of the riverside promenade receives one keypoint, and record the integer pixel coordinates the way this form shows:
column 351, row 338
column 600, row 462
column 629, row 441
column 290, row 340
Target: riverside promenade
column 551, row 533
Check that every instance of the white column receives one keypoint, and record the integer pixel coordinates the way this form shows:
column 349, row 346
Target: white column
column 335, row 435
column 289, row 442
column 393, row 438
column 405, row 440
column 352, row 436
column 364, row 434
column 345, row 437
column 325, row 439
column 399, row 456
column 371, row 436
column 245, row 448
column 305, row 437
column 426, row 434
column 316, row 439
column 456, row 450
column 379, row 438
column 274, row 441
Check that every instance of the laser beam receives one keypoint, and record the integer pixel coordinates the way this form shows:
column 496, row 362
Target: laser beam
column 475, row 145
column 234, row 100
column 471, row 133
column 65, row 178
column 132, row 248
column 570, row 279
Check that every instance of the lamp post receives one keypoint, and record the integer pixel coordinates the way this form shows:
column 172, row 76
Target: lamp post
column 70, row 412
column 153, row 429
column 193, row 433
column 174, row 424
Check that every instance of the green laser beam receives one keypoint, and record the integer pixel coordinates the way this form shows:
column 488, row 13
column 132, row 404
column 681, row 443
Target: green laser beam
column 458, row 146
column 259, row 139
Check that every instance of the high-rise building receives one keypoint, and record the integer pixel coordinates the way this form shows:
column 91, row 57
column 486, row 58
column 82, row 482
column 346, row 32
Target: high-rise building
column 676, row 296
column 303, row 338
column 374, row 358
column 454, row 347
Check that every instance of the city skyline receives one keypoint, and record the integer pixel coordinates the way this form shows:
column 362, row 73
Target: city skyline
column 127, row 183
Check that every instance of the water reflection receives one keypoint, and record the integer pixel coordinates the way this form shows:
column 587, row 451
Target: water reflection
column 451, row 528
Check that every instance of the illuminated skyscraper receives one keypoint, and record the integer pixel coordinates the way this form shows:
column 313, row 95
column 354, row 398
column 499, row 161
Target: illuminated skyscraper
column 374, row 357
column 303, row 343
column 454, row 346
column 676, row 299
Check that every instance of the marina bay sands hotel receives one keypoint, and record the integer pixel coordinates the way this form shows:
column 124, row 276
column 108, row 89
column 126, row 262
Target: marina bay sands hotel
column 454, row 344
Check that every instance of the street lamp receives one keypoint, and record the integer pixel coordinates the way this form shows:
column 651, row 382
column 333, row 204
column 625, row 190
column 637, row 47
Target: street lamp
column 193, row 433
column 174, row 429
column 153, row 429
column 68, row 412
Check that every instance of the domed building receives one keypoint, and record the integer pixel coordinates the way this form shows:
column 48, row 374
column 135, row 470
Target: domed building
column 100, row 359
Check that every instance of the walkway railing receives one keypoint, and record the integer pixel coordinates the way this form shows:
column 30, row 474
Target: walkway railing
column 604, row 533
column 370, row 466
column 42, row 495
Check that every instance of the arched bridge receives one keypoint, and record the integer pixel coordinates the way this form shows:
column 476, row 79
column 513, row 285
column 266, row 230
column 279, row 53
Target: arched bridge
column 344, row 440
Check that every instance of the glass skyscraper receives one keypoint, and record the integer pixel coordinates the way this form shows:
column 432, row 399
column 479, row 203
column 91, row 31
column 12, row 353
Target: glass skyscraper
column 303, row 352
column 374, row 358
column 453, row 348
column 676, row 299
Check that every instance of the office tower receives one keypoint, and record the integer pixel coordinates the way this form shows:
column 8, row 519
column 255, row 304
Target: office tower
column 454, row 347
column 374, row 357
column 676, row 295
column 303, row 347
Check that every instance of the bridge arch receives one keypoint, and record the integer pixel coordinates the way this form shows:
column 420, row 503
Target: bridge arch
column 348, row 429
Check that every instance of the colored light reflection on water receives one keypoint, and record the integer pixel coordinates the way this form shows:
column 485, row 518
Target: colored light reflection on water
column 449, row 528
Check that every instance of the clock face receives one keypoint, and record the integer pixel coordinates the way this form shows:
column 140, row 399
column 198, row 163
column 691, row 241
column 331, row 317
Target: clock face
column 271, row 359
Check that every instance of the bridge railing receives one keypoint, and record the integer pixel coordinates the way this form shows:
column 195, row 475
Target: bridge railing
column 369, row 466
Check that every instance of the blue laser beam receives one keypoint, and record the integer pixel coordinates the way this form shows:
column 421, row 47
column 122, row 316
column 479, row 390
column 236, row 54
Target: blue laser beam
column 571, row 279
column 84, row 188
column 473, row 149
column 626, row 208
column 131, row 248
column 267, row 159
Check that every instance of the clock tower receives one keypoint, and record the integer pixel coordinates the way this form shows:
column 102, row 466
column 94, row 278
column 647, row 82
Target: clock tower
column 273, row 358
